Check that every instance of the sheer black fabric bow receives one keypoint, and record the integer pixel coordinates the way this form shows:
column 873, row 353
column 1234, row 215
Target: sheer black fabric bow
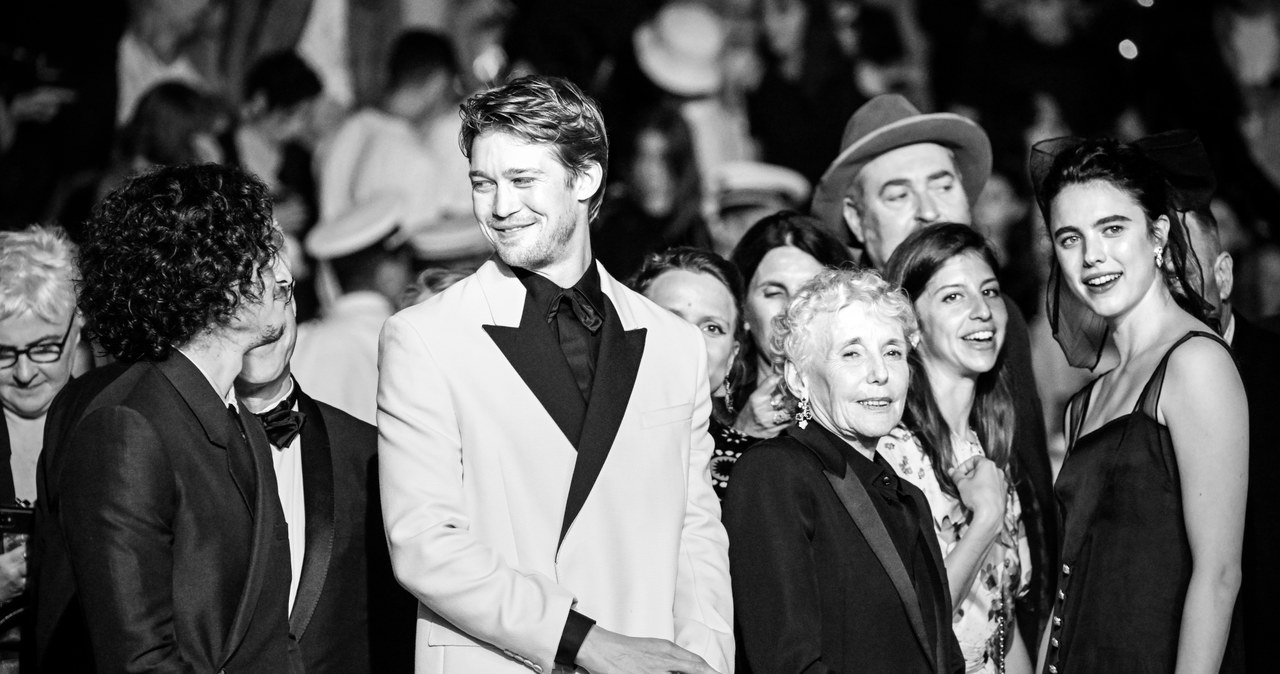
column 587, row 314
column 1180, row 158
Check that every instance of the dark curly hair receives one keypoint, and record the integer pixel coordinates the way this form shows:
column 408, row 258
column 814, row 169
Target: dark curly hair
column 170, row 254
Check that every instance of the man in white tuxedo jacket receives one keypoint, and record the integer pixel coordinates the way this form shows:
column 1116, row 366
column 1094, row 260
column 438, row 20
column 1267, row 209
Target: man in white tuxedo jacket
column 543, row 442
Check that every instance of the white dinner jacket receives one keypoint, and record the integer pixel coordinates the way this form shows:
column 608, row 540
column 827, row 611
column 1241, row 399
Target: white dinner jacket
column 475, row 475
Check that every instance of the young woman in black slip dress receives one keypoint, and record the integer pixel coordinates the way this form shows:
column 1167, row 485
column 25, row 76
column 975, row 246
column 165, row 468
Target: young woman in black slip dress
column 1152, row 492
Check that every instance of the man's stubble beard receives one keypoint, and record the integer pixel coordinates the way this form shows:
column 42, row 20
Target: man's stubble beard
column 542, row 253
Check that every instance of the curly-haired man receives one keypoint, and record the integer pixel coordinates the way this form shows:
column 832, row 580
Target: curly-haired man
column 547, row 497
column 160, row 538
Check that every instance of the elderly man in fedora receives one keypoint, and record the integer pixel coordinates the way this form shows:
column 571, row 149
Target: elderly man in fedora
column 899, row 170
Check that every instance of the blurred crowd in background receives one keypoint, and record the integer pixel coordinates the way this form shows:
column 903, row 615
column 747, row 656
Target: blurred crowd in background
column 719, row 111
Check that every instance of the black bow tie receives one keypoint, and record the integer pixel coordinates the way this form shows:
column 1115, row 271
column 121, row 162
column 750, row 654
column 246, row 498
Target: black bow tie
column 282, row 423
column 582, row 309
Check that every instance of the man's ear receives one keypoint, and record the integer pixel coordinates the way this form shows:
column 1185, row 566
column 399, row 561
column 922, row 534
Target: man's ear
column 853, row 220
column 1224, row 275
column 587, row 181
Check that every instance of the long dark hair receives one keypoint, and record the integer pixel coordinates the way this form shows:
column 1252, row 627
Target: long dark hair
column 912, row 265
column 706, row 262
column 784, row 228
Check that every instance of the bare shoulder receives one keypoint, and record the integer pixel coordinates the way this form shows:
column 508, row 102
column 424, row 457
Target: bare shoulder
column 1202, row 360
column 1202, row 381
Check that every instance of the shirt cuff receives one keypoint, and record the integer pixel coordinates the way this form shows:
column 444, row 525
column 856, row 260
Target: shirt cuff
column 575, row 631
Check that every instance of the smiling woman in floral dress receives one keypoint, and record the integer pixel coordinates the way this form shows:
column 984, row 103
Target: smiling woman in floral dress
column 960, row 453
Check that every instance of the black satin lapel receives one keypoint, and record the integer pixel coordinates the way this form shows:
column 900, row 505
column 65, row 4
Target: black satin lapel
column 537, row 358
column 198, row 393
column 240, row 462
column 211, row 412
column 7, row 490
column 265, row 519
column 858, row 503
column 616, row 368
column 942, row 621
column 317, row 493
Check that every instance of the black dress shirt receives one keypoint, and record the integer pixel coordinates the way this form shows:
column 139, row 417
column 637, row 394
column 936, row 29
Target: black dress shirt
column 580, row 346
column 902, row 519
column 574, row 315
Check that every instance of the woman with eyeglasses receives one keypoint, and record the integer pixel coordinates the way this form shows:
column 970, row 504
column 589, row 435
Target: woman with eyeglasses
column 39, row 333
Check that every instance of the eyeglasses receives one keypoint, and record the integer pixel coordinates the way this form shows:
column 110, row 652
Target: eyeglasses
column 37, row 353
column 283, row 291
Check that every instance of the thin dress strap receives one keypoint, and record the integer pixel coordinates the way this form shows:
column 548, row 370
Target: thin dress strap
column 1149, row 400
column 1078, row 405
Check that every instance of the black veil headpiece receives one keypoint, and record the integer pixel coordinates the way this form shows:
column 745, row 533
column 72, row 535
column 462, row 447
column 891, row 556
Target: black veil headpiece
column 1181, row 161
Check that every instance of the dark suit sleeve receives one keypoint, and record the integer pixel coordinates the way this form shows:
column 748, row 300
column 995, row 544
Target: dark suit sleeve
column 769, row 514
column 118, row 496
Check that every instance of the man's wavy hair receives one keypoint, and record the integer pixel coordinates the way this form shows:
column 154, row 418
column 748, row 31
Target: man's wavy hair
column 545, row 110
column 170, row 254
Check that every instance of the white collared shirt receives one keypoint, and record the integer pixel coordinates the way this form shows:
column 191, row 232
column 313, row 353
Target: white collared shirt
column 288, row 465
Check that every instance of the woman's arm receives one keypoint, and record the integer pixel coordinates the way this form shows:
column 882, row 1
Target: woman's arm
column 983, row 490
column 1203, row 404
column 1017, row 660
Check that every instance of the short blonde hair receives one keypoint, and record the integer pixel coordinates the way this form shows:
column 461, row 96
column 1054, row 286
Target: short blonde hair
column 830, row 291
column 37, row 273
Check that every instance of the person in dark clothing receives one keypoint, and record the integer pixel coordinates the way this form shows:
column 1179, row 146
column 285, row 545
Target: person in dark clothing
column 834, row 562
column 159, row 539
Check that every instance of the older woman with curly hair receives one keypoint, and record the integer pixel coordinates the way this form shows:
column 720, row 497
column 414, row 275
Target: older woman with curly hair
column 159, row 522
column 834, row 561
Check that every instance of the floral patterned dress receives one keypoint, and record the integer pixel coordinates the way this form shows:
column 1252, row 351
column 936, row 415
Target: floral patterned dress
column 1005, row 573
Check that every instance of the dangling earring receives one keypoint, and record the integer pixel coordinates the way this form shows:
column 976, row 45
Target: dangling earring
column 1160, row 256
column 805, row 414
column 728, row 396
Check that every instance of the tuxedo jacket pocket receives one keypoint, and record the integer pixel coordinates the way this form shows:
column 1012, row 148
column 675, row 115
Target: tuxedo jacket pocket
column 667, row 415
column 440, row 635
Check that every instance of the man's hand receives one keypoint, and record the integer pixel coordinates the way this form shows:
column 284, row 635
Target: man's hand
column 13, row 573
column 605, row 652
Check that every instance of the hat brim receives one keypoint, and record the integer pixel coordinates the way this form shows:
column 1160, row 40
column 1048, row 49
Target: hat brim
column 960, row 134
column 678, row 76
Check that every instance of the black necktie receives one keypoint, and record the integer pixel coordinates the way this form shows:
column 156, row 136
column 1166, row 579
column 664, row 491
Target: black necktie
column 282, row 423
column 575, row 327
column 235, row 420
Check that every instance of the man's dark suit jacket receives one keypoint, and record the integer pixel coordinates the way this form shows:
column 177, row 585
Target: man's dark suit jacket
column 350, row 616
column 1258, row 353
column 819, row 586
column 160, row 543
